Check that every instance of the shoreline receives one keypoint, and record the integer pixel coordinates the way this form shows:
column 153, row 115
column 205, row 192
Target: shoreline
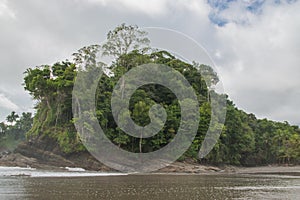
column 18, row 160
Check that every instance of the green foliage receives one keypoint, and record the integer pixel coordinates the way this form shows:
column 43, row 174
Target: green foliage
column 13, row 131
column 54, row 108
column 245, row 140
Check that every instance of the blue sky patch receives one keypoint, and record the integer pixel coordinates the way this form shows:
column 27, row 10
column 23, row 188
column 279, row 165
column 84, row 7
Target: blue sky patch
column 253, row 6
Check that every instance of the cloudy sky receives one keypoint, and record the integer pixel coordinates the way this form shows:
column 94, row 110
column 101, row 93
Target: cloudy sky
column 255, row 44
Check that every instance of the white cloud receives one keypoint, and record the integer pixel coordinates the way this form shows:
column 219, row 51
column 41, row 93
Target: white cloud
column 5, row 11
column 155, row 8
column 200, row 8
column 6, row 103
column 260, row 62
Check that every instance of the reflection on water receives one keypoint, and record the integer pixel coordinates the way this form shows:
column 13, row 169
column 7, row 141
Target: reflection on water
column 151, row 187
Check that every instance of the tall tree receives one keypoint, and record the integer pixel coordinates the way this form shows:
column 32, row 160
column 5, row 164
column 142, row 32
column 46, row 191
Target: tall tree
column 12, row 118
column 123, row 39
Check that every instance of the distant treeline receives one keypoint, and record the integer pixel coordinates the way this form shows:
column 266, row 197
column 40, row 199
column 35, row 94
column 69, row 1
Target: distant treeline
column 13, row 130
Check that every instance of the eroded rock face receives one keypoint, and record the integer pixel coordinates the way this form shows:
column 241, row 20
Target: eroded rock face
column 42, row 156
column 44, row 153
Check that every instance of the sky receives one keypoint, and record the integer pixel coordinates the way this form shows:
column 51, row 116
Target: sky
column 254, row 44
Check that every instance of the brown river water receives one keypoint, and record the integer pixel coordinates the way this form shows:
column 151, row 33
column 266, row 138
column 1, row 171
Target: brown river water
column 19, row 183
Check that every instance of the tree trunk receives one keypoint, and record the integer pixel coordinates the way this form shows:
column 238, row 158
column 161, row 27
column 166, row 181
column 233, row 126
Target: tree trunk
column 140, row 143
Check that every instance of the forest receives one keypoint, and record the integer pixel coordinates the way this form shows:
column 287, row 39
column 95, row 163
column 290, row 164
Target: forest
column 245, row 140
column 14, row 129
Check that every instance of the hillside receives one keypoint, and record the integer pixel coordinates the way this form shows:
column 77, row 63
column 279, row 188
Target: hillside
column 245, row 140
